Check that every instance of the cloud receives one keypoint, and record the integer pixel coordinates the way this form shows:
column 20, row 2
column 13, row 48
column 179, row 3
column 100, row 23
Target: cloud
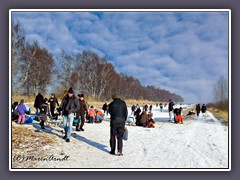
column 183, row 52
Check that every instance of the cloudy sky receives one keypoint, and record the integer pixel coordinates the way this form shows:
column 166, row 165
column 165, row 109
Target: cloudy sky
column 183, row 52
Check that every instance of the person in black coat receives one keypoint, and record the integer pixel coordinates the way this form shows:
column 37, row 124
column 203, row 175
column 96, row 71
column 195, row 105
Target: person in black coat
column 14, row 111
column 53, row 101
column 198, row 109
column 69, row 106
column 81, row 113
column 204, row 108
column 37, row 104
column 104, row 108
column 118, row 115
column 170, row 109
column 137, row 115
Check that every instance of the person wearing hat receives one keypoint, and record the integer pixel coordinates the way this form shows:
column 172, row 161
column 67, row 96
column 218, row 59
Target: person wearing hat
column 118, row 115
column 69, row 106
column 81, row 112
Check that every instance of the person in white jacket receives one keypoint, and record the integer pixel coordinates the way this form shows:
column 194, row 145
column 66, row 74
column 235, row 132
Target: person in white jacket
column 131, row 119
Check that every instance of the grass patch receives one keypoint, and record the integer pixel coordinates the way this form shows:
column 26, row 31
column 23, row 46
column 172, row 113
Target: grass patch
column 220, row 115
column 27, row 142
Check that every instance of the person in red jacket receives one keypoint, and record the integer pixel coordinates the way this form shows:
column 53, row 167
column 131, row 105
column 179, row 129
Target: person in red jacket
column 91, row 114
column 179, row 118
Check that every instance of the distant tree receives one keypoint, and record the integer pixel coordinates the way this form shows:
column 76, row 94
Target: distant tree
column 18, row 47
column 221, row 91
column 65, row 73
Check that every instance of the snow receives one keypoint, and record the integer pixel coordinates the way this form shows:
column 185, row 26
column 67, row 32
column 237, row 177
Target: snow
column 201, row 142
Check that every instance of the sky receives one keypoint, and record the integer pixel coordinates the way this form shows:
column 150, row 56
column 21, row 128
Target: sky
column 182, row 52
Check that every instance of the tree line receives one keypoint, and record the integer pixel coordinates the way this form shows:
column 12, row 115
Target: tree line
column 34, row 69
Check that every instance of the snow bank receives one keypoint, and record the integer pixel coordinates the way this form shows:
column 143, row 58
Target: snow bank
column 201, row 142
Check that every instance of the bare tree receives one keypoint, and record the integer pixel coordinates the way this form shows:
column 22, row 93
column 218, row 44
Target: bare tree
column 25, row 64
column 17, row 44
column 64, row 74
column 221, row 91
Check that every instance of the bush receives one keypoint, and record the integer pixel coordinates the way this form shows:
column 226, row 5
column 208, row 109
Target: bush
column 223, row 105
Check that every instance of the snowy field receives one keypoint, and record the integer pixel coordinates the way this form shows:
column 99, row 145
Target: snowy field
column 201, row 142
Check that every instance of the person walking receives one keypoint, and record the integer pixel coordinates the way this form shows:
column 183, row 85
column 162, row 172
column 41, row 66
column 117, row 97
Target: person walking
column 21, row 109
column 204, row 108
column 44, row 110
column 53, row 101
column 81, row 113
column 37, row 104
column 118, row 115
column 198, row 108
column 69, row 106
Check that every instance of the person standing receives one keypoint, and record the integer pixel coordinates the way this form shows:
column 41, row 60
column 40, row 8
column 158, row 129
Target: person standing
column 81, row 113
column 198, row 108
column 204, row 108
column 161, row 107
column 37, row 104
column 69, row 106
column 91, row 114
column 133, row 108
column 104, row 108
column 44, row 110
column 170, row 110
column 53, row 101
column 118, row 115
column 21, row 109
column 150, row 108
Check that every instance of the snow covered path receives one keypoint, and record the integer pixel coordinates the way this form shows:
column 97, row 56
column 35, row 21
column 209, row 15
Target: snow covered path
column 201, row 142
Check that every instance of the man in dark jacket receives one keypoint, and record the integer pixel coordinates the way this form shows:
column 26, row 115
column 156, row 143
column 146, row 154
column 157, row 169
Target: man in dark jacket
column 53, row 101
column 204, row 108
column 37, row 104
column 118, row 112
column 198, row 108
column 81, row 113
column 69, row 106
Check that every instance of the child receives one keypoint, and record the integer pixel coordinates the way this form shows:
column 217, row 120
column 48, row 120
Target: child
column 179, row 118
column 91, row 114
column 131, row 119
column 100, row 116
column 43, row 113
column 21, row 109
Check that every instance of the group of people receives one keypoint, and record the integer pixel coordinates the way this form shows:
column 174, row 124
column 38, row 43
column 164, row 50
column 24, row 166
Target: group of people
column 175, row 114
column 141, row 119
column 94, row 115
column 199, row 108
column 72, row 105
